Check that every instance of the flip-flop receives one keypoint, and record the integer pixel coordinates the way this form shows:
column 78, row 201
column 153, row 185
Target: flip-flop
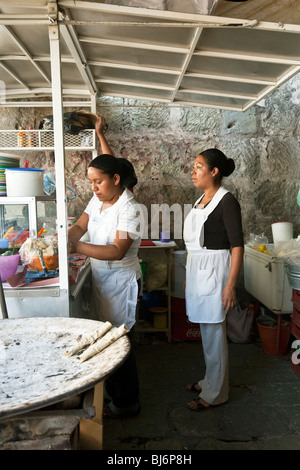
column 199, row 406
column 192, row 388
column 107, row 413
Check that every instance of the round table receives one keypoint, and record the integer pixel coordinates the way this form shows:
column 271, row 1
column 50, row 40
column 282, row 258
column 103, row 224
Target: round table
column 34, row 372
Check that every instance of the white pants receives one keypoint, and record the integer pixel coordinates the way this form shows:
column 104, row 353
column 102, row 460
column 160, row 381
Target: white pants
column 215, row 385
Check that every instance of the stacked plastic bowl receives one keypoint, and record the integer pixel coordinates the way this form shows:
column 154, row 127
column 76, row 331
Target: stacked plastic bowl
column 7, row 161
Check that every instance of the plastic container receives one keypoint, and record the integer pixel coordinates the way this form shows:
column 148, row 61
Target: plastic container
column 21, row 137
column 266, row 280
column 160, row 317
column 165, row 236
column 8, row 266
column 22, row 182
column 149, row 300
column 7, row 160
column 268, row 336
column 182, row 329
column 178, row 273
column 144, row 270
column 282, row 231
column 4, row 242
column 31, row 137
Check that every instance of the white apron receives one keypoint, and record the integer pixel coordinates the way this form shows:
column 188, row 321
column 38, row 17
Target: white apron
column 115, row 289
column 207, row 271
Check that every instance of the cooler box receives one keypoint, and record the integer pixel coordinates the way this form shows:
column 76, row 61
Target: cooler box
column 182, row 329
column 265, row 278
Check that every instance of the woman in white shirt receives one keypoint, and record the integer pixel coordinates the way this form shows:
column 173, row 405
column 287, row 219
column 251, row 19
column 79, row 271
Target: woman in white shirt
column 112, row 221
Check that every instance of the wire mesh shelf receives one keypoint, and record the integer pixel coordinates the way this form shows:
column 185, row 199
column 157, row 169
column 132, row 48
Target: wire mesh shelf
column 44, row 140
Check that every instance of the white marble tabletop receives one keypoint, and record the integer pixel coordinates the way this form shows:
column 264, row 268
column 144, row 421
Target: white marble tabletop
column 34, row 372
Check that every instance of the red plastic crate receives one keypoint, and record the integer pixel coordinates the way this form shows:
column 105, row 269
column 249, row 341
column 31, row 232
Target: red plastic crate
column 296, row 298
column 296, row 316
column 182, row 329
column 296, row 368
column 295, row 330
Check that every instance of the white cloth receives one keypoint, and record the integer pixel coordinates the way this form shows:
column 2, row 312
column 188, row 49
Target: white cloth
column 114, row 283
column 206, row 270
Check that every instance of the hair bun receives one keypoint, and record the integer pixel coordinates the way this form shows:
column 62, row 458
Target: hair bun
column 229, row 167
column 216, row 158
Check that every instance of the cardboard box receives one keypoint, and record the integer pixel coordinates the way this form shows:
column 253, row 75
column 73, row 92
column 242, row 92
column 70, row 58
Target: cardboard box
column 182, row 329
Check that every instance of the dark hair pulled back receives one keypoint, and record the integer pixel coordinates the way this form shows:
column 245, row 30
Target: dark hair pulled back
column 111, row 165
column 216, row 158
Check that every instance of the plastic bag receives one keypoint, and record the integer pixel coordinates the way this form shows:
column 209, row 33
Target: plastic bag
column 257, row 240
column 239, row 323
column 34, row 248
column 286, row 249
column 50, row 186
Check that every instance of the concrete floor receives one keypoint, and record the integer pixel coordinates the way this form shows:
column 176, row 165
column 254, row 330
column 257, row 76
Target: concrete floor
column 263, row 412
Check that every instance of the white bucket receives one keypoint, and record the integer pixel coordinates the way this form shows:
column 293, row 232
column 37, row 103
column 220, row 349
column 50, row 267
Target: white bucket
column 178, row 273
column 282, row 231
column 21, row 182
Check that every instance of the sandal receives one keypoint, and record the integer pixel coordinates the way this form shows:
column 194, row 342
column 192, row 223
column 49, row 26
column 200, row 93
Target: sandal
column 194, row 387
column 107, row 413
column 196, row 405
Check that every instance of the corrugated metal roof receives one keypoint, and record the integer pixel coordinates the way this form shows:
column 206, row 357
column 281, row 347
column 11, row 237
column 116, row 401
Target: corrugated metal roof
column 160, row 56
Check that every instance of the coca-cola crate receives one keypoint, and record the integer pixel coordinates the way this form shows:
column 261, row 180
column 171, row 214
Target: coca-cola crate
column 295, row 329
column 296, row 316
column 296, row 298
column 296, row 368
column 182, row 329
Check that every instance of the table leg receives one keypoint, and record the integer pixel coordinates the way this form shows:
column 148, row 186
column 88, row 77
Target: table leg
column 91, row 430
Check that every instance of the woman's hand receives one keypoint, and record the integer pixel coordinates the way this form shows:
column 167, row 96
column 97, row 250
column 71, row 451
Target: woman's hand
column 229, row 291
column 100, row 124
column 72, row 246
column 228, row 298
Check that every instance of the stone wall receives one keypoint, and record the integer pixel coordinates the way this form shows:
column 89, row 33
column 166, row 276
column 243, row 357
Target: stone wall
column 162, row 142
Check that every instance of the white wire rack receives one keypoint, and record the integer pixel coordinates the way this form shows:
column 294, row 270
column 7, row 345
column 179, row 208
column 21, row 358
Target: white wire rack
column 44, row 140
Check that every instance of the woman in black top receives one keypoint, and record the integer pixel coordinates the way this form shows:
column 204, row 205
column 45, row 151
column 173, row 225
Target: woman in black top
column 214, row 240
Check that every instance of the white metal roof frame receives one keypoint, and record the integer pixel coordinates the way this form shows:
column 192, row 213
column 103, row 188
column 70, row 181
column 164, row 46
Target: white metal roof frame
column 68, row 50
column 160, row 56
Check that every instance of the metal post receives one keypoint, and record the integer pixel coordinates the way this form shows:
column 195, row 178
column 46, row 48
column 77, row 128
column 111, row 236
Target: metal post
column 59, row 158
column 2, row 301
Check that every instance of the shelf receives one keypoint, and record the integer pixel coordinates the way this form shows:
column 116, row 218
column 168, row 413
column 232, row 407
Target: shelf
column 164, row 246
column 44, row 140
column 169, row 247
column 22, row 292
column 32, row 204
column 26, row 199
column 140, row 328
